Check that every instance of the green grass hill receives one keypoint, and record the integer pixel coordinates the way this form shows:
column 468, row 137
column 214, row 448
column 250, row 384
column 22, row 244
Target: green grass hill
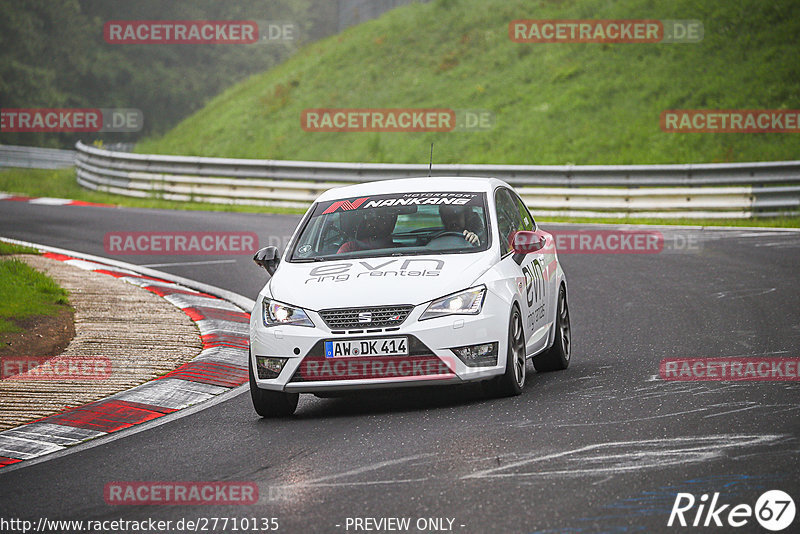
column 554, row 103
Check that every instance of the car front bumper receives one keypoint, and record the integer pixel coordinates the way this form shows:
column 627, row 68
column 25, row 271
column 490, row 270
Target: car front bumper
column 430, row 361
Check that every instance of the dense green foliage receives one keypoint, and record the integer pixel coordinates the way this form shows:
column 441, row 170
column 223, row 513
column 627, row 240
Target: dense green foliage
column 554, row 103
column 53, row 54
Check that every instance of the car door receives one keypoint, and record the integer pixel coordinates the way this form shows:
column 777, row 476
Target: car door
column 513, row 216
column 543, row 267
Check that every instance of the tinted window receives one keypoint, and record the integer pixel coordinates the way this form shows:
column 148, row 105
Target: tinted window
column 527, row 220
column 509, row 219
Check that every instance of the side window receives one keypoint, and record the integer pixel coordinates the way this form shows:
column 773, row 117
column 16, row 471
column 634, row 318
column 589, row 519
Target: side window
column 508, row 217
column 525, row 216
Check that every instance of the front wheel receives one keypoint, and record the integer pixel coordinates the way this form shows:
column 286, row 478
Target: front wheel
column 513, row 380
column 557, row 357
column 270, row 403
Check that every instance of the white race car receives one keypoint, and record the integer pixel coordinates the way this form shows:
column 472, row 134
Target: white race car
column 411, row 282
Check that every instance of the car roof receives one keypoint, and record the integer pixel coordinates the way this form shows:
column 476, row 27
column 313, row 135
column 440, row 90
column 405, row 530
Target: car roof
column 427, row 184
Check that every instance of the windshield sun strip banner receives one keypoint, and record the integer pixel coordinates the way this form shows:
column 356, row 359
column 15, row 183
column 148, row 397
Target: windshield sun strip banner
column 400, row 199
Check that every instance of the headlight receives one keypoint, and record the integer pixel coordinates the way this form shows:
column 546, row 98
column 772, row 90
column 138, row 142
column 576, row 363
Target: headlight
column 276, row 314
column 467, row 302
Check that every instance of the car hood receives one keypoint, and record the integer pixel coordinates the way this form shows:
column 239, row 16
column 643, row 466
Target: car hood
column 376, row 281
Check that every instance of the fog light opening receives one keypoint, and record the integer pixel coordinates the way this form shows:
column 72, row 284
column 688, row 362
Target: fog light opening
column 269, row 367
column 481, row 355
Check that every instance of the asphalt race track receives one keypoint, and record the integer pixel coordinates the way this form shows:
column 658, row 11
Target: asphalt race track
column 602, row 447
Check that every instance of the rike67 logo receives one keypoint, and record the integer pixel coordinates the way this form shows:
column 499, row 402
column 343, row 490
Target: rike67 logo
column 774, row 510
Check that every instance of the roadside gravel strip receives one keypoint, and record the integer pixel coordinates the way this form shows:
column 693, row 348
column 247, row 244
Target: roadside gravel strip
column 141, row 340
column 124, row 336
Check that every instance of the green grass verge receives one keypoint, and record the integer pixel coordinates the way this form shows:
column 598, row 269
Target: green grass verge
column 554, row 103
column 12, row 248
column 62, row 184
column 25, row 292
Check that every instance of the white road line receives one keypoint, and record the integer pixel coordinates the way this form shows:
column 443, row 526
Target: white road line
column 322, row 481
column 50, row 201
column 744, row 293
column 366, row 483
column 617, row 422
column 735, row 411
column 651, row 453
column 372, row 467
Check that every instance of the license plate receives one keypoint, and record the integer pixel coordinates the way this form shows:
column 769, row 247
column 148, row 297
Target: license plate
column 393, row 346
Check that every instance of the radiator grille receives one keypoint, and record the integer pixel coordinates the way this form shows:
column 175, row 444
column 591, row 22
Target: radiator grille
column 371, row 317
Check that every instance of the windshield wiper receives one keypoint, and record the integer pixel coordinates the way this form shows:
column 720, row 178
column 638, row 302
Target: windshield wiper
column 309, row 260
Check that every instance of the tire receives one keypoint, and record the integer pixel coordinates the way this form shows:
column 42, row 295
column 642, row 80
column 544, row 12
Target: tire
column 269, row 403
column 512, row 381
column 556, row 358
column 333, row 394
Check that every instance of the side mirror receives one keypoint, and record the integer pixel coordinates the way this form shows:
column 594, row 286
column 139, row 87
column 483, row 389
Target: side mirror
column 268, row 258
column 524, row 242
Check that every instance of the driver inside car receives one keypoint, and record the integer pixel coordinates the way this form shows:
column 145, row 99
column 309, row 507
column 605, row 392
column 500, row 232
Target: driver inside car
column 373, row 230
column 463, row 220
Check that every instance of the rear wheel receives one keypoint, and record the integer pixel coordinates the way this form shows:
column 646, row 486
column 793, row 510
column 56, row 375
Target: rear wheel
column 513, row 380
column 557, row 357
column 270, row 403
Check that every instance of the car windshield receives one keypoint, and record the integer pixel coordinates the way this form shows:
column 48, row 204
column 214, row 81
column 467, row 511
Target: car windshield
column 397, row 224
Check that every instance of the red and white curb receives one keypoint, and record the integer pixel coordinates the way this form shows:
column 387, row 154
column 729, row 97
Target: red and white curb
column 50, row 201
column 220, row 366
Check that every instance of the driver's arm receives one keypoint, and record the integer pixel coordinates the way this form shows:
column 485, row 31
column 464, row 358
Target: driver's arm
column 474, row 228
column 350, row 246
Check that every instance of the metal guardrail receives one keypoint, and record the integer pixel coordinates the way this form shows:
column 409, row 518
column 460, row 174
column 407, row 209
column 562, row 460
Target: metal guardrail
column 664, row 191
column 31, row 157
